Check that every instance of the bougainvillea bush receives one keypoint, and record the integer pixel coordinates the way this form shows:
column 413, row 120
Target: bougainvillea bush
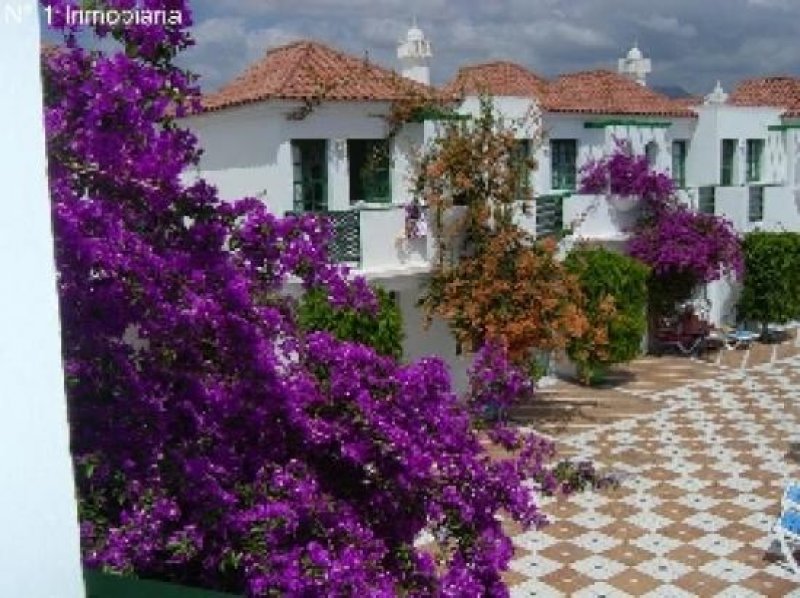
column 496, row 384
column 682, row 247
column 215, row 442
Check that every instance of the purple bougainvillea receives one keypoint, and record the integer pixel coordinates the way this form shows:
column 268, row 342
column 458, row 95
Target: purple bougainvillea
column 495, row 383
column 625, row 174
column 669, row 237
column 214, row 443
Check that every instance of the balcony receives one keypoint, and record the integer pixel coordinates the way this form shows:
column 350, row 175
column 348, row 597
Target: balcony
column 600, row 218
column 372, row 240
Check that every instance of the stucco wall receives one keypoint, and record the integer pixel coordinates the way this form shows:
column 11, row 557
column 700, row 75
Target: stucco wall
column 247, row 150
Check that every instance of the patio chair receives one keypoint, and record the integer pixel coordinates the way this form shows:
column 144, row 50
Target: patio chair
column 686, row 332
column 791, row 496
column 786, row 531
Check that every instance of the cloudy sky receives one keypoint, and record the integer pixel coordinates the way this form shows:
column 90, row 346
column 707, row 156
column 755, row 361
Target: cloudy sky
column 692, row 42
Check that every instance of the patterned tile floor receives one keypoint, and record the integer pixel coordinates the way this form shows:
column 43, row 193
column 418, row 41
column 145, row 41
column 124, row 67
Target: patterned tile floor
column 703, row 469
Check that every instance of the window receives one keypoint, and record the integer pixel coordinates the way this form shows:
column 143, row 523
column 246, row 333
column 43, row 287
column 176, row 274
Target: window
column 707, row 200
column 522, row 153
column 755, row 151
column 310, row 174
column 755, row 206
column 563, row 158
column 726, row 164
column 679, row 163
column 370, row 172
column 651, row 153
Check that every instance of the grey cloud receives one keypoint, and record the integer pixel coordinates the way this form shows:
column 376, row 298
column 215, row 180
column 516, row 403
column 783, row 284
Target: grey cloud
column 691, row 43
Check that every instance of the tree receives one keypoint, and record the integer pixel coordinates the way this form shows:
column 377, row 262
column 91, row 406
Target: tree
column 615, row 288
column 214, row 442
column 771, row 290
column 493, row 282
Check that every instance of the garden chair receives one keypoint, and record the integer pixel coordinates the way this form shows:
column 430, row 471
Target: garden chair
column 786, row 529
column 686, row 332
column 791, row 496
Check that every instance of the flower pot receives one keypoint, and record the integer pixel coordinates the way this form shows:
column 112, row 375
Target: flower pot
column 106, row 585
column 623, row 203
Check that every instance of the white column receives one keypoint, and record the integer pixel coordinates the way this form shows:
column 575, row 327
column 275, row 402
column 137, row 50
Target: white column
column 39, row 553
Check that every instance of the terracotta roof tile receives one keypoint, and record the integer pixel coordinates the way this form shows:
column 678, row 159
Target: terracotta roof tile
column 500, row 78
column 307, row 69
column 607, row 92
column 780, row 92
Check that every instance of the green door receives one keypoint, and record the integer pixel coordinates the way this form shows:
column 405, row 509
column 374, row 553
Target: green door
column 310, row 162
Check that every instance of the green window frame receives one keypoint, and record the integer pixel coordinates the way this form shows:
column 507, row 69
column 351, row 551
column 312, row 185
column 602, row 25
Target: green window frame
column 707, row 200
column 369, row 166
column 310, row 175
column 755, row 154
column 563, row 161
column 755, row 204
column 727, row 161
column 679, row 153
column 522, row 152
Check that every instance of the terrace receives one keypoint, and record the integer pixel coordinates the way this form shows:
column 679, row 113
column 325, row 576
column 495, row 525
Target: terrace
column 703, row 448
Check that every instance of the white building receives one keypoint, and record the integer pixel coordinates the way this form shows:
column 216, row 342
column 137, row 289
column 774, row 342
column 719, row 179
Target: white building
column 306, row 128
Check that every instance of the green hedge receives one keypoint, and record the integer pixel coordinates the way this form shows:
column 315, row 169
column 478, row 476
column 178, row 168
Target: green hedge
column 383, row 332
column 771, row 290
column 603, row 273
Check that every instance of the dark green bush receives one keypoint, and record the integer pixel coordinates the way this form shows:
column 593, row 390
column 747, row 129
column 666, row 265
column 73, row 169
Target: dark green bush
column 771, row 290
column 615, row 290
column 383, row 332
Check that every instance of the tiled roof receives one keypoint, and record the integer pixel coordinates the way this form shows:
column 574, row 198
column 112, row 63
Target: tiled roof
column 607, row 92
column 308, row 69
column 780, row 92
column 499, row 78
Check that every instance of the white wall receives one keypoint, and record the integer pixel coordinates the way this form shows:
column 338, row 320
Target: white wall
column 435, row 341
column 718, row 122
column 39, row 544
column 247, row 150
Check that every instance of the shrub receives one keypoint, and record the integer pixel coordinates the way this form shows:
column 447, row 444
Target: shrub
column 383, row 331
column 228, row 448
column 683, row 248
column 514, row 291
column 615, row 290
column 771, row 290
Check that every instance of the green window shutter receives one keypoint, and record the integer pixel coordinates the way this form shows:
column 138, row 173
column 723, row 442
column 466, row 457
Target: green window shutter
column 707, row 200
column 522, row 152
column 563, row 158
column 755, row 152
column 726, row 166
column 679, row 163
column 755, row 207
column 310, row 175
column 369, row 165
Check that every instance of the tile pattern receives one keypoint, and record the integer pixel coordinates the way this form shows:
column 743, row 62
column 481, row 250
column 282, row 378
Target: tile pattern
column 307, row 69
column 499, row 78
column 702, row 472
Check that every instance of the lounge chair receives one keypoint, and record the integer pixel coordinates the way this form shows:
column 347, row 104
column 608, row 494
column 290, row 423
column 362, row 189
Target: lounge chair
column 786, row 529
column 791, row 496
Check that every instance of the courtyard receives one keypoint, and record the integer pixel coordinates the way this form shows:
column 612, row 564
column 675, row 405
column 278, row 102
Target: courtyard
column 702, row 448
